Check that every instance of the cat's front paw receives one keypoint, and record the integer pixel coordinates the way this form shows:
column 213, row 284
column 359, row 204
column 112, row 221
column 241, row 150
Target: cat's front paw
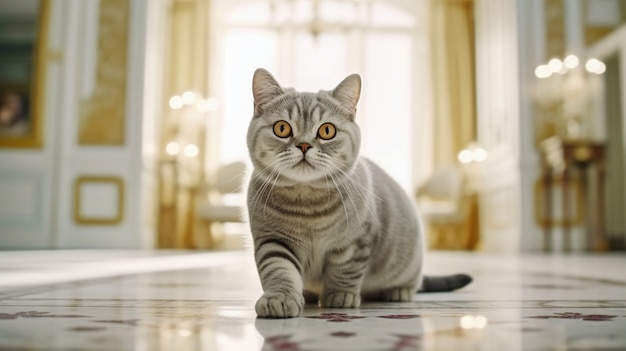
column 397, row 294
column 279, row 305
column 342, row 299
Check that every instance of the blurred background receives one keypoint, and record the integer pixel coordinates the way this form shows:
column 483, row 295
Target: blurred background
column 123, row 122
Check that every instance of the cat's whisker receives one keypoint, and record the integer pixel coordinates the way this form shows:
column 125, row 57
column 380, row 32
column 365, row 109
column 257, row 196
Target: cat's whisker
column 363, row 193
column 361, row 187
column 348, row 178
column 362, row 190
column 348, row 184
column 267, row 182
column 351, row 201
column 278, row 174
column 341, row 197
column 269, row 168
column 261, row 174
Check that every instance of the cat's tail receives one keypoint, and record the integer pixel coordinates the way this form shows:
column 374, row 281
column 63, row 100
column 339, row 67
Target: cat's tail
column 444, row 283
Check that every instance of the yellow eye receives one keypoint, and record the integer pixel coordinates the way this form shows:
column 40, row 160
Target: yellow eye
column 327, row 131
column 282, row 129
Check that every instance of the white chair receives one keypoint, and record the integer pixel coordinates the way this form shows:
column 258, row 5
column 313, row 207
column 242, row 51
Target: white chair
column 224, row 200
column 445, row 205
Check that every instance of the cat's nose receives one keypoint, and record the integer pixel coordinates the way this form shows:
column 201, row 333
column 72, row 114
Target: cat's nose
column 304, row 147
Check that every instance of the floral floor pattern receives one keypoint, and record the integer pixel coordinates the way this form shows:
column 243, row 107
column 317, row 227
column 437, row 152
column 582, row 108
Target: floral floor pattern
column 574, row 302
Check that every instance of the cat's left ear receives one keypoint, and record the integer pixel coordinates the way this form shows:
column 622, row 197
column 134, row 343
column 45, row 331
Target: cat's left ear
column 348, row 91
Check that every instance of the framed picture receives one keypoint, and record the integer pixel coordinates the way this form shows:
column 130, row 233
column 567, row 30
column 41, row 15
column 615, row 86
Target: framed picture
column 23, row 46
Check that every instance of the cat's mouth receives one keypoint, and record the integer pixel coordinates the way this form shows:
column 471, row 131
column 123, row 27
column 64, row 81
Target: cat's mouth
column 303, row 171
column 304, row 163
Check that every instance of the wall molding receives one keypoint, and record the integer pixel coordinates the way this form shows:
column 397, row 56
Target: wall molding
column 79, row 205
column 11, row 181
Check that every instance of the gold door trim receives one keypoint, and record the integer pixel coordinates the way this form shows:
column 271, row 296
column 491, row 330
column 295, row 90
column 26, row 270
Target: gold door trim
column 82, row 219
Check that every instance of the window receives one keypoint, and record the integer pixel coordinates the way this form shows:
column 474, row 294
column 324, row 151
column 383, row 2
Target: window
column 313, row 45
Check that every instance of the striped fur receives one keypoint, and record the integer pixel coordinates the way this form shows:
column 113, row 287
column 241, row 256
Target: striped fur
column 328, row 225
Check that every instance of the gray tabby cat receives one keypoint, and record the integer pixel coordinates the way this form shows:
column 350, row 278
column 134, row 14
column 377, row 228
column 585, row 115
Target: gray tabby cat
column 329, row 227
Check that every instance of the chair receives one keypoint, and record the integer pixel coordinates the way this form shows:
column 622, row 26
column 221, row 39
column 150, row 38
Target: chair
column 224, row 202
column 445, row 204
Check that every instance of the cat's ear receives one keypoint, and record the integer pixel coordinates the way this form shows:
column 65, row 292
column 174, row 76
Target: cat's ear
column 264, row 87
column 348, row 91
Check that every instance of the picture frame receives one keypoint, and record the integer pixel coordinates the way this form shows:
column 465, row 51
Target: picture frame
column 22, row 76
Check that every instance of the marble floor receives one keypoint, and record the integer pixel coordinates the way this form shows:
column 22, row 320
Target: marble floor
column 132, row 300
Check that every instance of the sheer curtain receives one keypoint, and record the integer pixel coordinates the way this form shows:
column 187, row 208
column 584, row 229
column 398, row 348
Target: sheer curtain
column 454, row 115
column 179, row 174
column 452, row 45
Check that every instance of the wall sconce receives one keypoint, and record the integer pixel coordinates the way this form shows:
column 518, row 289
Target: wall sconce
column 189, row 98
column 471, row 158
column 472, row 153
column 563, row 95
column 172, row 148
column 184, row 152
column 571, row 62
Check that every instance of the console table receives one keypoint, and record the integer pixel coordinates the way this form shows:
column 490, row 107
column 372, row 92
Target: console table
column 563, row 162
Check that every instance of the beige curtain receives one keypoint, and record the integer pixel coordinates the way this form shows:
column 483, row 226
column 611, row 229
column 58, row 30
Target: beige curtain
column 187, row 65
column 452, row 46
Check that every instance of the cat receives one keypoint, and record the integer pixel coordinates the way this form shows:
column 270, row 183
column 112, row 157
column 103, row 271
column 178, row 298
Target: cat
column 328, row 226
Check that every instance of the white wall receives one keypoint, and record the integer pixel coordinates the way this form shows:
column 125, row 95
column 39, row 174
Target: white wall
column 532, row 43
column 498, row 116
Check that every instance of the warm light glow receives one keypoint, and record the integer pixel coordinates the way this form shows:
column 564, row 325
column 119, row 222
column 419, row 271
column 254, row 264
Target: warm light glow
column 556, row 65
column 465, row 156
column 473, row 153
column 467, row 322
column 176, row 102
column 480, row 322
column 543, row 71
column 596, row 66
column 207, row 105
column 591, row 64
column 191, row 150
column 473, row 322
column 172, row 148
column 480, row 154
column 189, row 98
column 184, row 332
column 571, row 61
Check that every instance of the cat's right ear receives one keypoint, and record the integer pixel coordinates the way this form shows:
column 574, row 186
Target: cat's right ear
column 264, row 87
column 348, row 91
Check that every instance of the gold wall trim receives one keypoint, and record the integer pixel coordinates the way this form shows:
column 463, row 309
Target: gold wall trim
column 82, row 219
column 102, row 115
column 555, row 28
